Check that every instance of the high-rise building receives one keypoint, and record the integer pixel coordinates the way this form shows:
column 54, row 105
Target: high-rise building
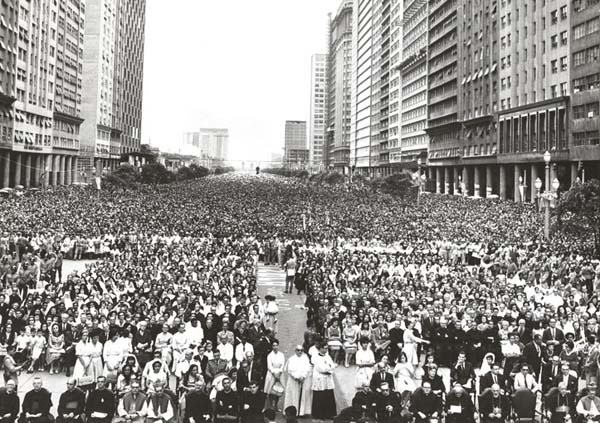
column 375, row 101
column 214, row 145
column 318, row 96
column 40, row 91
column 413, row 74
column 112, row 88
column 295, row 151
column 191, row 144
column 339, row 88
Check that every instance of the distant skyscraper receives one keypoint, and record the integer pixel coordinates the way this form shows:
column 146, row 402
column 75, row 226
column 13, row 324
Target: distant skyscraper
column 318, row 97
column 295, row 142
column 339, row 70
column 191, row 144
column 214, row 144
column 112, row 89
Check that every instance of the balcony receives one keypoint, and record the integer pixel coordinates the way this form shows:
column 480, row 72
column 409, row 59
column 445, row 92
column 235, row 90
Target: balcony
column 436, row 114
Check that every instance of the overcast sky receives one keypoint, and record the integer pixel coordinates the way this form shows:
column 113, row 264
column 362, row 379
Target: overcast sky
column 237, row 64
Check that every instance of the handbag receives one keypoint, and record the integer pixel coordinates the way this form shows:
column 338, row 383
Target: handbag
column 277, row 388
column 85, row 380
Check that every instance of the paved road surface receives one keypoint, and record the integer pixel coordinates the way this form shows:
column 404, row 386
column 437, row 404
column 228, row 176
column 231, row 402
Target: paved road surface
column 292, row 324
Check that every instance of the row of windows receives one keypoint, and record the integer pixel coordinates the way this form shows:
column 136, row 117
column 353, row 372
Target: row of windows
column 586, row 138
column 586, row 56
column 589, row 111
column 586, row 28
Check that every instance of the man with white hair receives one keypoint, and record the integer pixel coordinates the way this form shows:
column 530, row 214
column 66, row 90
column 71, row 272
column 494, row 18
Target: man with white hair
column 131, row 408
column 459, row 407
column 297, row 370
column 494, row 407
column 36, row 404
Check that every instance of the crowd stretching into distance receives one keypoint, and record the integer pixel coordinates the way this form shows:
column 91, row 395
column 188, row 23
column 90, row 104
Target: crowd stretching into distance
column 451, row 310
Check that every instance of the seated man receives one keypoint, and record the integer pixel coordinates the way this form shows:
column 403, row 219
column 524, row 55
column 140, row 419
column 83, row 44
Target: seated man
column 494, row 377
column 462, row 372
column 426, row 405
column 36, row 404
column 159, row 407
column 252, row 402
column 560, row 405
column 525, row 380
column 389, row 404
column 71, row 405
column 226, row 403
column 494, row 408
column 9, row 402
column 588, row 407
column 459, row 407
column 131, row 406
column 198, row 408
column 100, row 407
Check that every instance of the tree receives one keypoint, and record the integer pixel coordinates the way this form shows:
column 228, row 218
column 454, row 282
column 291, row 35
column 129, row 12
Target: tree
column 125, row 176
column 156, row 173
column 199, row 171
column 579, row 209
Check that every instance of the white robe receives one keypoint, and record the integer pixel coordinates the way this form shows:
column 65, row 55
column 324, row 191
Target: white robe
column 298, row 368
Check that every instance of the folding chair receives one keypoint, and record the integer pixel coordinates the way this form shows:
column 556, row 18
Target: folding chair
column 523, row 405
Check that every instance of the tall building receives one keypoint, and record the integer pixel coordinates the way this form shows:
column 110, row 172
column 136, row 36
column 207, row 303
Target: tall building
column 413, row 74
column 318, row 96
column 375, row 97
column 40, row 92
column 191, row 144
column 339, row 88
column 214, row 144
column 113, row 65
column 295, row 151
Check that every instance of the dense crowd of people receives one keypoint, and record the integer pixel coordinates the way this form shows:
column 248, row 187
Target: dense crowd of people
column 449, row 309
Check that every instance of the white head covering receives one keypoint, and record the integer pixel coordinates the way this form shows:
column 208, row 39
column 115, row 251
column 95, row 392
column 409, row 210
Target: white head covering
column 485, row 367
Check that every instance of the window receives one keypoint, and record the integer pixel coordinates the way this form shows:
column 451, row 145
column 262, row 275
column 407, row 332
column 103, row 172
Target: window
column 563, row 13
column 563, row 38
column 554, row 66
column 554, row 41
column 563, row 63
column 554, row 17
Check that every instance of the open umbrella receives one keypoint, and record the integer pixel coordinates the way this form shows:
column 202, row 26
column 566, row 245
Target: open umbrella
column 19, row 187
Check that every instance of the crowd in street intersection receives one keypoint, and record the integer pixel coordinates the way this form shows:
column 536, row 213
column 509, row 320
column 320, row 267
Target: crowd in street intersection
column 453, row 309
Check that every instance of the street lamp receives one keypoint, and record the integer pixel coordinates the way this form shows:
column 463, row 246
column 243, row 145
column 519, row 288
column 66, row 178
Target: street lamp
column 419, row 181
column 538, row 189
column 549, row 195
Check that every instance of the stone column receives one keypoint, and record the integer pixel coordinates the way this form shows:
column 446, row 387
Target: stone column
column 438, row 180
column 476, row 182
column 516, row 182
column 62, row 164
column 27, row 170
column 17, row 174
column 53, row 166
column 47, row 164
column 502, row 187
column 574, row 172
column 489, row 186
column 465, row 180
column 447, row 181
column 68, row 171
column 455, row 186
column 6, row 172
column 534, row 176
column 39, row 162
column 75, row 170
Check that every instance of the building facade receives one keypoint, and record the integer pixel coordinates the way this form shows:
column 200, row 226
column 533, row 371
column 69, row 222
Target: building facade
column 339, row 88
column 112, row 89
column 41, row 61
column 214, row 146
column 414, row 141
column 318, row 97
column 295, row 140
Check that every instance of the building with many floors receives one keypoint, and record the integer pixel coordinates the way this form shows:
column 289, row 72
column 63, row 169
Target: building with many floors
column 113, row 64
column 214, row 146
column 318, row 101
column 41, row 60
column 295, row 141
column 339, row 89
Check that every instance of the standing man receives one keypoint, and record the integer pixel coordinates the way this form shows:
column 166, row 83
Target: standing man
column 290, row 274
column 227, row 403
column 252, row 402
column 71, row 405
column 9, row 402
column 36, row 404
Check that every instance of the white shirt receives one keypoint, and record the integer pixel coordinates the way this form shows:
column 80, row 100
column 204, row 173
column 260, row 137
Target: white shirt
column 241, row 349
column 226, row 351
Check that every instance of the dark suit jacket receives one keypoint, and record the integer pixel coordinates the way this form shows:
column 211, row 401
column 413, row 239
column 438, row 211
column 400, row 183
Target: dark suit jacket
column 462, row 375
column 531, row 356
column 376, row 381
column 486, row 381
column 560, row 337
column 572, row 384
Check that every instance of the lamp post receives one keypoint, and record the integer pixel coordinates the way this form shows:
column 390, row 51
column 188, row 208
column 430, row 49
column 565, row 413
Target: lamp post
column 550, row 194
column 419, row 181
column 538, row 189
